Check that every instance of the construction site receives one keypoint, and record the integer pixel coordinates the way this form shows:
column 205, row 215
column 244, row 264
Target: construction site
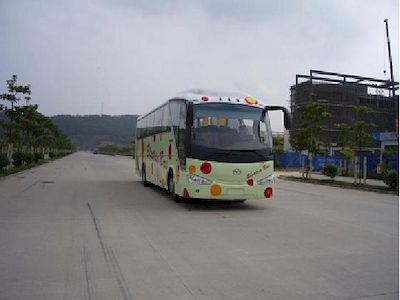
column 341, row 92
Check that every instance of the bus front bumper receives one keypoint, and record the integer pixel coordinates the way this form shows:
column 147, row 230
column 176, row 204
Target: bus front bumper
column 224, row 191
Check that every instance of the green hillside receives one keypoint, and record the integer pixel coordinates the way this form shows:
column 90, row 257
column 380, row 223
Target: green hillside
column 92, row 131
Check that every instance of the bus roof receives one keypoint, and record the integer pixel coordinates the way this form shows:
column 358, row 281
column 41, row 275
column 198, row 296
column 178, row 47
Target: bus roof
column 198, row 96
column 208, row 95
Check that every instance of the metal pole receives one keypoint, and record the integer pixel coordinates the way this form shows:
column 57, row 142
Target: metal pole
column 10, row 153
column 355, row 159
column 365, row 170
column 390, row 57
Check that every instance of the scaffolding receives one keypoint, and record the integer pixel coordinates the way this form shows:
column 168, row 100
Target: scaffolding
column 340, row 92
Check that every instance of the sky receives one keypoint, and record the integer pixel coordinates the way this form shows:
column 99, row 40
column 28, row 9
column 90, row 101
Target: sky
column 126, row 56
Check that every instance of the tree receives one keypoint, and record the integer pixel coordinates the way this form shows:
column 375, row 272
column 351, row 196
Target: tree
column 11, row 98
column 278, row 143
column 347, row 150
column 25, row 127
column 356, row 136
column 362, row 129
column 308, row 137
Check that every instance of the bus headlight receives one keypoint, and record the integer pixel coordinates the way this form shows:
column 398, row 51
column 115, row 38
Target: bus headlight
column 195, row 179
column 267, row 180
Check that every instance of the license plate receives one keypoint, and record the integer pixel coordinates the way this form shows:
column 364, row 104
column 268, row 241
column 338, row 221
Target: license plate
column 235, row 191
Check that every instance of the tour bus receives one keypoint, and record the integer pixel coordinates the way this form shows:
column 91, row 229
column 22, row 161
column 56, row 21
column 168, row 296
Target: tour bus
column 208, row 145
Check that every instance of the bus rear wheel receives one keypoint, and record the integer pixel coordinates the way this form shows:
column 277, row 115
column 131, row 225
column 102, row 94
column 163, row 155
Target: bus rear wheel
column 144, row 178
column 171, row 189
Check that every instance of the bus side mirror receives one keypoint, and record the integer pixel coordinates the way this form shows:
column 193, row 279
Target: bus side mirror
column 287, row 118
column 189, row 115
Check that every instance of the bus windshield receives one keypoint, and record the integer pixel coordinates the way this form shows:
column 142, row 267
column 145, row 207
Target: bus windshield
column 230, row 129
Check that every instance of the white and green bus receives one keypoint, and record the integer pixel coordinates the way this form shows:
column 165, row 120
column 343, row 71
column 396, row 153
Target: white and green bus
column 208, row 145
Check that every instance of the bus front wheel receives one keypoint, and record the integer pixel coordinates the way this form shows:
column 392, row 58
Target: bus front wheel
column 171, row 189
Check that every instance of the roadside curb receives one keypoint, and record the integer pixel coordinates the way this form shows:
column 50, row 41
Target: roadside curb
column 341, row 184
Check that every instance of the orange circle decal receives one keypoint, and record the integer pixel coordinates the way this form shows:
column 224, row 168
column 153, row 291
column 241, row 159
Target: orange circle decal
column 192, row 169
column 215, row 190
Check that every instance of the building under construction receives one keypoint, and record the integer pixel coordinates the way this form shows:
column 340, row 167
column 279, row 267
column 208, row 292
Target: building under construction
column 340, row 92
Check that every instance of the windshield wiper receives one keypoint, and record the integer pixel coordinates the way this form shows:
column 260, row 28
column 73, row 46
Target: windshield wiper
column 255, row 151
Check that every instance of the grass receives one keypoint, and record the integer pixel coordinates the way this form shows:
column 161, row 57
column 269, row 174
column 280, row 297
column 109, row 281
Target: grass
column 342, row 184
column 15, row 170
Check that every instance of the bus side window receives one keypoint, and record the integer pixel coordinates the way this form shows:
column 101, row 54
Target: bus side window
column 138, row 133
column 148, row 125
column 144, row 127
column 152, row 123
column 158, row 116
column 174, row 109
column 166, row 124
column 178, row 118
column 181, row 135
column 263, row 132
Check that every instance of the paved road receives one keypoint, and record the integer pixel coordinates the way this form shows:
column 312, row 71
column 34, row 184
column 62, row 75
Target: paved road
column 83, row 227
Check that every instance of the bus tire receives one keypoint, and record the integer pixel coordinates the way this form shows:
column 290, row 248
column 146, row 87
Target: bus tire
column 171, row 188
column 144, row 177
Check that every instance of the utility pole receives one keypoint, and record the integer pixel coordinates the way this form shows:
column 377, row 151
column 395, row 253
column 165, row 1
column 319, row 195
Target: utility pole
column 390, row 58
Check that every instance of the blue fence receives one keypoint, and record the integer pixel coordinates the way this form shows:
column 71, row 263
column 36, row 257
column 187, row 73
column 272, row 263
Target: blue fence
column 319, row 162
column 290, row 160
column 296, row 160
column 372, row 161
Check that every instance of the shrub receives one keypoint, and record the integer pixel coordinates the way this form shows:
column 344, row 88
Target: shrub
column 391, row 179
column 37, row 157
column 52, row 155
column 330, row 171
column 3, row 161
column 28, row 158
column 384, row 167
column 18, row 159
